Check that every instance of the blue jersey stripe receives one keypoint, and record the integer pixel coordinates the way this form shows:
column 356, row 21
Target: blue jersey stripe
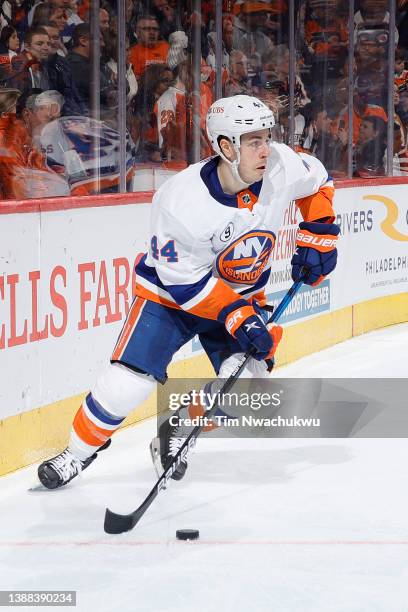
column 148, row 273
column 185, row 293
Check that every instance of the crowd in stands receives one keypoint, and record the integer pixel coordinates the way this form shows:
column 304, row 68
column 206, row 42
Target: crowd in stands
column 48, row 125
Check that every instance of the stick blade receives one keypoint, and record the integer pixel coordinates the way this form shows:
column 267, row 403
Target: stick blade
column 118, row 523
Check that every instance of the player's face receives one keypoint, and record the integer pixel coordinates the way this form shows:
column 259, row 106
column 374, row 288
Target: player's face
column 254, row 152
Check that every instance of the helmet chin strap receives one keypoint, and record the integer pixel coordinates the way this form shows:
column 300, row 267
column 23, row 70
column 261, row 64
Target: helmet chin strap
column 234, row 166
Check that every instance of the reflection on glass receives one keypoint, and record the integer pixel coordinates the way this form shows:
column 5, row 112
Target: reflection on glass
column 46, row 49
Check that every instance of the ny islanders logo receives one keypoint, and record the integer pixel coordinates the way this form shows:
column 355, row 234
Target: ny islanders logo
column 244, row 260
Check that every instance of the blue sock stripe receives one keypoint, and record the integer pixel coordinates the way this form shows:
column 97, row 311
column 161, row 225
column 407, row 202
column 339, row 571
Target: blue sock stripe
column 100, row 413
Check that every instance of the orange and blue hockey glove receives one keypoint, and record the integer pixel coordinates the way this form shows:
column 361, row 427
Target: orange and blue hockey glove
column 316, row 253
column 242, row 322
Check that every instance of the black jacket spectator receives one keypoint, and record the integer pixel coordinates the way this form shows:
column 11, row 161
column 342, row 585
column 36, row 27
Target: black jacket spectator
column 80, row 65
column 61, row 79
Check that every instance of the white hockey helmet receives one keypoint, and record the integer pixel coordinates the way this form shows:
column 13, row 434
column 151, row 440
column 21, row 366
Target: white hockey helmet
column 234, row 116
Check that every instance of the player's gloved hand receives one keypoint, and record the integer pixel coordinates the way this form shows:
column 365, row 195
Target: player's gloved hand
column 242, row 322
column 316, row 253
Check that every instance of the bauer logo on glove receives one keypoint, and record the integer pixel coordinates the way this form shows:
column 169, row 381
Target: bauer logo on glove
column 316, row 253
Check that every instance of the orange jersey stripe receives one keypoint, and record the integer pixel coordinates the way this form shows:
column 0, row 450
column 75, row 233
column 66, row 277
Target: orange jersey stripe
column 153, row 297
column 128, row 328
column 317, row 206
column 208, row 308
column 88, row 432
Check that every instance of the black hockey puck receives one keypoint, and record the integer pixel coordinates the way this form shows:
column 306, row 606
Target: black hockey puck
column 187, row 534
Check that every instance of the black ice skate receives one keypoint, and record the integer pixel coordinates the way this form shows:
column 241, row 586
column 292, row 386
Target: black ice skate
column 61, row 469
column 166, row 446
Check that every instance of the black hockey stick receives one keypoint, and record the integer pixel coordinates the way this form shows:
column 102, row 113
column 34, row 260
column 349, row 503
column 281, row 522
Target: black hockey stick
column 119, row 523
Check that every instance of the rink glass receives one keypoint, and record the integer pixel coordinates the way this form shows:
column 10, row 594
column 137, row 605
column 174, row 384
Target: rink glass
column 332, row 71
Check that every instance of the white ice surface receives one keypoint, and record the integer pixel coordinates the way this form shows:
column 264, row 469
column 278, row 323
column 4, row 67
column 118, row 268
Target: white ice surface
column 313, row 525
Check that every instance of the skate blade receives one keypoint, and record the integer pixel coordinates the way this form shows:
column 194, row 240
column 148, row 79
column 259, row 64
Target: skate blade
column 155, row 454
column 37, row 486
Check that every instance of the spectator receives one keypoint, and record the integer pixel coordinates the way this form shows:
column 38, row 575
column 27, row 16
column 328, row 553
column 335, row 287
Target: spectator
column 56, row 44
column 112, row 53
column 371, row 48
column 59, row 16
column 321, row 141
column 275, row 67
column 149, row 50
column 175, row 121
column 79, row 62
column 72, row 19
column 400, row 161
column 155, row 80
column 253, row 40
column 227, row 38
column 166, row 17
column 172, row 121
column 325, row 32
column 238, row 81
column 35, row 14
column 29, row 68
column 60, row 75
column 275, row 95
column 373, row 13
column 133, row 10
column 71, row 9
column 9, row 45
column 41, row 12
column 371, row 147
column 104, row 21
column 23, row 173
column 401, row 74
column 11, row 14
column 402, row 108
column 326, row 36
column 361, row 110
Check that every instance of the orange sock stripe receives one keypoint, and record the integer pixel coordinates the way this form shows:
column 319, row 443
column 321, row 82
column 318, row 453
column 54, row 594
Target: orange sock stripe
column 88, row 432
column 128, row 328
column 198, row 411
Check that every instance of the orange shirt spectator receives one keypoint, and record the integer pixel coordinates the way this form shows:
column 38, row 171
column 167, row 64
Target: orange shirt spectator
column 360, row 112
column 175, row 121
column 149, row 50
column 17, row 153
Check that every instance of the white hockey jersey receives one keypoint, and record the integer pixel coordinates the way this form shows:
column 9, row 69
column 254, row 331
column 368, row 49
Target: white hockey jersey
column 208, row 248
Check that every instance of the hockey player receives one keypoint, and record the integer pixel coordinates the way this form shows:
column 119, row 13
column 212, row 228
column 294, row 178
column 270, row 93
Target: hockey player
column 213, row 229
